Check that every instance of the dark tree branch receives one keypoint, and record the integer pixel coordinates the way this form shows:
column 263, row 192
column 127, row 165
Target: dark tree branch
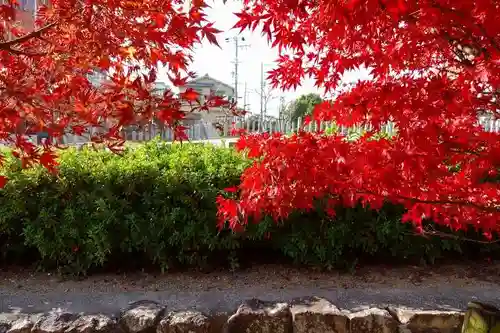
column 29, row 54
column 430, row 231
column 492, row 41
column 7, row 46
column 491, row 209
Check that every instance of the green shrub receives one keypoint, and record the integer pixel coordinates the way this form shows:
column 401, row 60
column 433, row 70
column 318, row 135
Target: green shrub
column 157, row 200
column 155, row 206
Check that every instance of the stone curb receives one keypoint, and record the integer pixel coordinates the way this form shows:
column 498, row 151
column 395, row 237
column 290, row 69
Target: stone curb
column 311, row 315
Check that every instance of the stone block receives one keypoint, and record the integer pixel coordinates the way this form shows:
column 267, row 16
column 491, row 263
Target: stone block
column 25, row 323
column 257, row 316
column 142, row 317
column 318, row 315
column 419, row 321
column 54, row 322
column 185, row 322
column 372, row 320
column 93, row 324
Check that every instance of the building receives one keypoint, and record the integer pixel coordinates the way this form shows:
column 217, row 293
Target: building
column 208, row 86
column 209, row 122
column 200, row 123
column 26, row 13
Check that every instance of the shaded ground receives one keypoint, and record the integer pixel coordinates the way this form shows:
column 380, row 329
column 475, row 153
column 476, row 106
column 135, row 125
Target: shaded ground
column 444, row 287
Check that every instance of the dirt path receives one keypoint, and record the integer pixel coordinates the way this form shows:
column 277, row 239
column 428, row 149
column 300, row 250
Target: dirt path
column 445, row 287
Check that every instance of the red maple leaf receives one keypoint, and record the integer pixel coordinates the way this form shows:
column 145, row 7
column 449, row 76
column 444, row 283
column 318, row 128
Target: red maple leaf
column 435, row 112
column 51, row 68
column 209, row 33
column 48, row 160
column 3, row 181
column 434, row 69
column 190, row 95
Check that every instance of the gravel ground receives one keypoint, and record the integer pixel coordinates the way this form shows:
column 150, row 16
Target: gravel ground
column 447, row 287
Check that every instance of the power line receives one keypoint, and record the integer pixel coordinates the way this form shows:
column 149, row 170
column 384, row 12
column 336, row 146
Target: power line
column 236, row 40
column 266, row 95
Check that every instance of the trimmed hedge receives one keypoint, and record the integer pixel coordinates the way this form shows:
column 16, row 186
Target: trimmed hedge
column 155, row 207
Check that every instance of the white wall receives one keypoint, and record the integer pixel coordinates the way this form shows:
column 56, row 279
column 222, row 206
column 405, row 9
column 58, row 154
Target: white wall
column 206, row 86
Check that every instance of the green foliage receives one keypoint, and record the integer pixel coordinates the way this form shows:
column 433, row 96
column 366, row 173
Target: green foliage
column 360, row 234
column 155, row 206
column 302, row 106
column 355, row 133
column 156, row 200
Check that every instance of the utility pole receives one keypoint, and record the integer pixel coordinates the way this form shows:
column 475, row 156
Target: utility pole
column 266, row 95
column 236, row 47
column 281, row 107
column 236, row 40
column 262, row 84
column 245, row 93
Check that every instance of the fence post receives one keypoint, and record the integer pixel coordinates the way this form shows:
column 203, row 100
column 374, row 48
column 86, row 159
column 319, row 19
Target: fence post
column 225, row 128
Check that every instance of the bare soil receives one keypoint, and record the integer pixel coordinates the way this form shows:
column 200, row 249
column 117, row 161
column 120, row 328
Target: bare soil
column 271, row 276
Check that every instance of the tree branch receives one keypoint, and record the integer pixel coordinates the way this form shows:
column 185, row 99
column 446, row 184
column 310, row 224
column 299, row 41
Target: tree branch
column 29, row 54
column 7, row 46
column 479, row 26
column 430, row 231
column 491, row 209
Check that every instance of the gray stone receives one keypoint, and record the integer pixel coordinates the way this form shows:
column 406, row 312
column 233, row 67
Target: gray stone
column 4, row 327
column 257, row 316
column 318, row 315
column 185, row 322
column 9, row 318
column 372, row 320
column 93, row 324
column 6, row 320
column 218, row 321
column 417, row 321
column 142, row 317
column 54, row 322
column 25, row 323
column 306, row 315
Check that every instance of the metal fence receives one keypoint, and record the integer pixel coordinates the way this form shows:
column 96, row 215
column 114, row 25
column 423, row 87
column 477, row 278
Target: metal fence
column 202, row 130
column 213, row 132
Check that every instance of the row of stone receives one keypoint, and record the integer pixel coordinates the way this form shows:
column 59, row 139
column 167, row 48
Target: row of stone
column 306, row 316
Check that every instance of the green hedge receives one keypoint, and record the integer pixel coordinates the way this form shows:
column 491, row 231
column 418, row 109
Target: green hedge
column 155, row 206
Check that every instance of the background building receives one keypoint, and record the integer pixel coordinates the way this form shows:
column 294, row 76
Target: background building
column 208, row 86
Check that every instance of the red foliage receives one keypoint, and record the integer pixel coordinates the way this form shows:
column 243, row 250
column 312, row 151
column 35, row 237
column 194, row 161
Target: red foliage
column 45, row 68
column 435, row 66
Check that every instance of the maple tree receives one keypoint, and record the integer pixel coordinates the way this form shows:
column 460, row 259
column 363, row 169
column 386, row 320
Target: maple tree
column 435, row 67
column 46, row 70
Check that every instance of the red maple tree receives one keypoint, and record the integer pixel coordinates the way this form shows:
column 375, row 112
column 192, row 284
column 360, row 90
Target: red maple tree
column 435, row 67
column 46, row 69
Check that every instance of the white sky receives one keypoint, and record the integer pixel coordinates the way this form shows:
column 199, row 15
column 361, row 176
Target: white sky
column 218, row 63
